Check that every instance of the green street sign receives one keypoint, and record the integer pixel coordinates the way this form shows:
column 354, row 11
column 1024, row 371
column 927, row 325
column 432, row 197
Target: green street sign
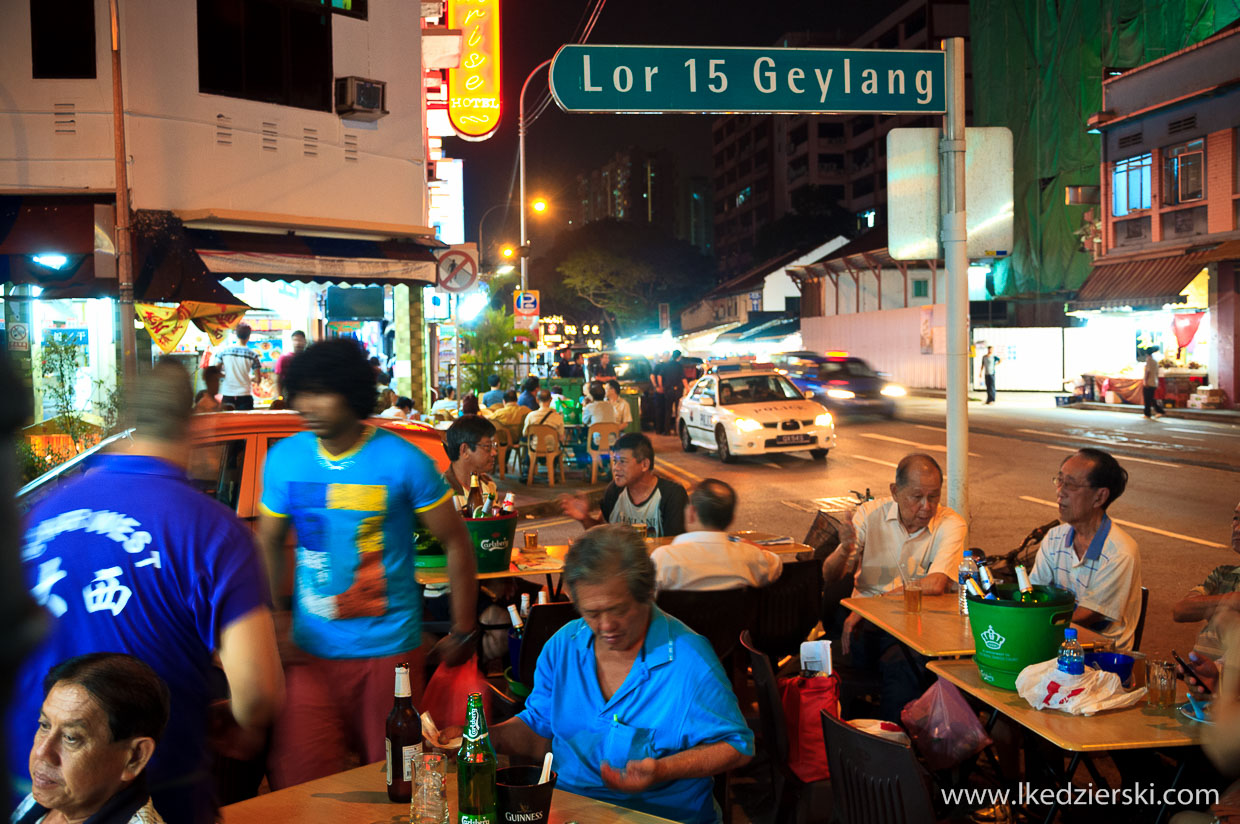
column 701, row 79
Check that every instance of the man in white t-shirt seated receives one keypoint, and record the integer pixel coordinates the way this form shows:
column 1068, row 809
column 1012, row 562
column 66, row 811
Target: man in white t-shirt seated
column 1088, row 554
column 635, row 495
column 882, row 542
column 707, row 558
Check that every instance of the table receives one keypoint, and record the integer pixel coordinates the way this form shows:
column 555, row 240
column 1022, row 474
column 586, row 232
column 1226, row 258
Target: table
column 1132, row 728
column 939, row 631
column 359, row 796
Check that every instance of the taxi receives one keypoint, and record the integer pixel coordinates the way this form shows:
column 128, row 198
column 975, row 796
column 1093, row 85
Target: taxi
column 750, row 411
column 228, row 453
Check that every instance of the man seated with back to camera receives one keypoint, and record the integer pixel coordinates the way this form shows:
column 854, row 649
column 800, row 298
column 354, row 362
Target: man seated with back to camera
column 707, row 558
column 635, row 495
column 910, row 533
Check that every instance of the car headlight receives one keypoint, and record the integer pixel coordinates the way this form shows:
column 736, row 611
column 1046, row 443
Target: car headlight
column 894, row 390
column 823, row 420
column 747, row 425
column 841, row 394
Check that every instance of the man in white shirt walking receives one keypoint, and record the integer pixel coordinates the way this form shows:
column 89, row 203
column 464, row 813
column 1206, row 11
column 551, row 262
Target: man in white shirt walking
column 241, row 368
column 707, row 558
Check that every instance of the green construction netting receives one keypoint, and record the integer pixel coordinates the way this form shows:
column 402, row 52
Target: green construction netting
column 1037, row 69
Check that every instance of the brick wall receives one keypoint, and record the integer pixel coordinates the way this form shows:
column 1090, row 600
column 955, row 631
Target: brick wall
column 1220, row 180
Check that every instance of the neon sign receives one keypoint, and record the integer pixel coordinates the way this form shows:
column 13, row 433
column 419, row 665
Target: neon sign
column 474, row 87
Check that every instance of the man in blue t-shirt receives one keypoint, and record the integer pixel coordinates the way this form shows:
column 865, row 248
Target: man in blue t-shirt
column 353, row 494
column 130, row 557
column 632, row 702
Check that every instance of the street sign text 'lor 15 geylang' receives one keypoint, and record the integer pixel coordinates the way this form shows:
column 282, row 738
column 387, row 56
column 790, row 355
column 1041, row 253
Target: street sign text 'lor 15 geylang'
column 654, row 79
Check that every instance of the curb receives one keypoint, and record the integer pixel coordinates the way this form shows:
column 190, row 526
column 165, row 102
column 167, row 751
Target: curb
column 1215, row 415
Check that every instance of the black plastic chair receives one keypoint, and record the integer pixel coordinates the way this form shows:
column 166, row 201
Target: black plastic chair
column 545, row 620
column 720, row 615
column 788, row 609
column 875, row 780
column 1140, row 630
column 790, row 791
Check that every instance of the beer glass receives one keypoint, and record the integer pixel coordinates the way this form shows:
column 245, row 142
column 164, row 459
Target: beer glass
column 430, row 790
column 1160, row 679
column 641, row 530
column 912, row 596
column 531, row 539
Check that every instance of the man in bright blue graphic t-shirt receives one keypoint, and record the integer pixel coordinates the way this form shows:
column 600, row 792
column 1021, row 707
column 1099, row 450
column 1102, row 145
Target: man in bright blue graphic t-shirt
column 130, row 557
column 353, row 495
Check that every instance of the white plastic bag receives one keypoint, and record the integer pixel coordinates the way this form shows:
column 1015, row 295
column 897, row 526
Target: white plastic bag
column 1046, row 688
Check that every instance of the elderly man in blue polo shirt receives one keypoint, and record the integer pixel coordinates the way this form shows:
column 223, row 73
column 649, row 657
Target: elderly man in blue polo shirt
column 1087, row 553
column 633, row 703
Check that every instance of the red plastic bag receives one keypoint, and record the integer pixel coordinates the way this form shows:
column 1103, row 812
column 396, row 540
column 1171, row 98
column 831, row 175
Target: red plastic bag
column 944, row 729
column 803, row 699
column 448, row 691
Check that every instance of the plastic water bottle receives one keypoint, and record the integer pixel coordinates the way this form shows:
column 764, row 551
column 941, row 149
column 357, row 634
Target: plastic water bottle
column 1071, row 656
column 966, row 570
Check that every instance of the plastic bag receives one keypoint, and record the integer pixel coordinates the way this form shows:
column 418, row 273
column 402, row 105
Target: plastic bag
column 1045, row 687
column 803, row 699
column 943, row 727
column 448, row 691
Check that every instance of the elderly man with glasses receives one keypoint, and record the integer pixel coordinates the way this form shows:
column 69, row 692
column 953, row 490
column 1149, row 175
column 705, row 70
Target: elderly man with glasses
column 1087, row 553
column 470, row 444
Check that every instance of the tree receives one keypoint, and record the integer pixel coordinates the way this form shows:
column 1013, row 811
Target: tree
column 60, row 371
column 622, row 270
column 492, row 344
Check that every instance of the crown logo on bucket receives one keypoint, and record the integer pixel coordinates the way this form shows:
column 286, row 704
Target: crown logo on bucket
column 992, row 639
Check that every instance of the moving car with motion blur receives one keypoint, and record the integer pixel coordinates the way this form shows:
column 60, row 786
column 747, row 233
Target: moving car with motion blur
column 750, row 411
column 840, row 382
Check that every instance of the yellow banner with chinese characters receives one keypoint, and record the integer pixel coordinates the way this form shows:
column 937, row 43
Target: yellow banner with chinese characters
column 168, row 324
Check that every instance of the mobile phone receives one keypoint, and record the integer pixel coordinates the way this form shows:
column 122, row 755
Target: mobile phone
column 1189, row 670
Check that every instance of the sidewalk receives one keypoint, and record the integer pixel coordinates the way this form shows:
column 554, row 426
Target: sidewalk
column 1047, row 400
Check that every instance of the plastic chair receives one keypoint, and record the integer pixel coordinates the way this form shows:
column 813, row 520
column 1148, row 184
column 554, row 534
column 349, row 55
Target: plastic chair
column 789, row 790
column 875, row 780
column 544, row 442
column 599, row 438
column 720, row 615
column 1136, row 633
column 503, row 443
column 788, row 609
column 545, row 620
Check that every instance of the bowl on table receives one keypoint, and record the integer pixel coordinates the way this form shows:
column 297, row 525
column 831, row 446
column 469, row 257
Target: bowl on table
column 1116, row 662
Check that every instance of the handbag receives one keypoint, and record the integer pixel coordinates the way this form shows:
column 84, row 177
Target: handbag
column 803, row 699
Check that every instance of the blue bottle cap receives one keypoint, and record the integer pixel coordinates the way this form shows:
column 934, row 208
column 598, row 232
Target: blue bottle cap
column 1069, row 634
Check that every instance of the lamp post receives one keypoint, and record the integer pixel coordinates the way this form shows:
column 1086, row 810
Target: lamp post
column 482, row 249
column 521, row 164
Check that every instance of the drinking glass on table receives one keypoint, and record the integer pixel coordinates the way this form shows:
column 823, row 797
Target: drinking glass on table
column 531, row 539
column 1160, row 680
column 430, row 789
column 912, row 593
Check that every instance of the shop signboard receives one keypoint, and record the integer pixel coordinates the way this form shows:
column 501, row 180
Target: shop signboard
column 71, row 336
column 701, row 79
column 474, row 93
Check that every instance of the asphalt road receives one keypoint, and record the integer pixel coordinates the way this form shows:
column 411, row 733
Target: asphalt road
column 1184, row 484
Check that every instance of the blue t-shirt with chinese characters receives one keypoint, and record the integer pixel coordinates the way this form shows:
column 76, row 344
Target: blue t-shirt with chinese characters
column 675, row 697
column 354, row 592
column 130, row 557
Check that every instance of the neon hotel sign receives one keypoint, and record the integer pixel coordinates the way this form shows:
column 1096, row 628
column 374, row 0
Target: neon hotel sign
column 473, row 88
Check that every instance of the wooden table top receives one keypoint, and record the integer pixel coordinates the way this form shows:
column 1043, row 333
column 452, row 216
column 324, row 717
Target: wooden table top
column 1134, row 728
column 359, row 796
column 439, row 575
column 938, row 631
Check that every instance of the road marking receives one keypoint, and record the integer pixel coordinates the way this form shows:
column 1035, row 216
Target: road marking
column 1153, row 529
column 1125, row 457
column 931, row 428
column 799, row 506
column 874, row 460
column 935, row 447
column 681, row 473
column 1202, row 432
column 553, row 522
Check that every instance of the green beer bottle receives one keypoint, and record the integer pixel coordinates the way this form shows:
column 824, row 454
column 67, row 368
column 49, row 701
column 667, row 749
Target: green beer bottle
column 1025, row 594
column 475, row 769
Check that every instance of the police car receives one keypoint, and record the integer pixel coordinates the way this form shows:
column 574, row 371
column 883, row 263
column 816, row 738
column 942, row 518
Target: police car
column 749, row 411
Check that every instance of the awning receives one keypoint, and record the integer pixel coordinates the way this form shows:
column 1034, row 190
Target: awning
column 758, row 323
column 56, row 241
column 1148, row 283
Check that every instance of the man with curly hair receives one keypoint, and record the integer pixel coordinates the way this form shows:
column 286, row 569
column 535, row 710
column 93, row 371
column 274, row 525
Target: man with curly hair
column 354, row 495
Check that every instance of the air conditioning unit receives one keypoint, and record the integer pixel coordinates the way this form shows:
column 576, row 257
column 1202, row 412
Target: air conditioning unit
column 360, row 99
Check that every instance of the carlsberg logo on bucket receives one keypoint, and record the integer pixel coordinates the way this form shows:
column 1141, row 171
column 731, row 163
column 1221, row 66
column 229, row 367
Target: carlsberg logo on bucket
column 992, row 639
column 489, row 544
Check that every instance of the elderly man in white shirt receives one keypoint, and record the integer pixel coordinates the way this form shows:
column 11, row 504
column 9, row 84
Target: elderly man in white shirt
column 909, row 534
column 707, row 558
column 1090, row 555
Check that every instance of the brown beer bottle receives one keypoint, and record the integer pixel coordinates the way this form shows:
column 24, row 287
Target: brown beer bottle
column 474, row 501
column 403, row 737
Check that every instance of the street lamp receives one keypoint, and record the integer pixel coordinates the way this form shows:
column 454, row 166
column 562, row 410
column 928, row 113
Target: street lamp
column 521, row 163
column 539, row 204
column 482, row 249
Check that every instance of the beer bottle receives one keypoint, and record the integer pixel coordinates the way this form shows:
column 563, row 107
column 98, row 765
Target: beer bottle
column 475, row 769
column 976, row 591
column 1023, row 584
column 517, row 624
column 403, row 738
column 525, row 605
column 474, row 501
column 510, row 504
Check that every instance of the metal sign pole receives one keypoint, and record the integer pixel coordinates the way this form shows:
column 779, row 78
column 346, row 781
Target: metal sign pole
column 955, row 256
